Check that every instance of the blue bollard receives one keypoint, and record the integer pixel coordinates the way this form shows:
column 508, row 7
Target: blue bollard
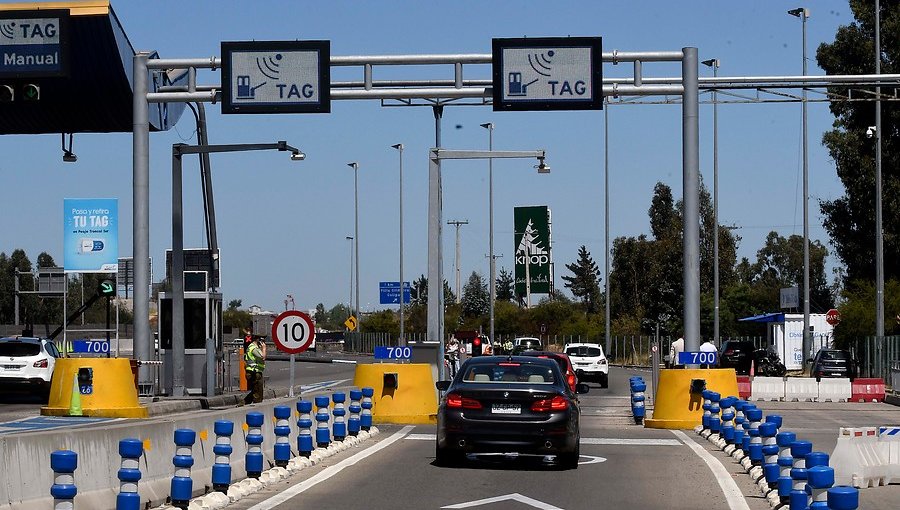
column 768, row 430
column 706, row 409
column 797, row 498
column 819, row 479
column 182, row 486
column 365, row 419
column 745, row 439
column 843, row 498
column 323, row 438
column 221, row 470
column 253, row 459
column 305, row 423
column 282, row 449
column 715, row 423
column 63, row 463
column 776, row 419
column 785, row 462
column 355, row 409
column 129, row 474
column 339, row 427
column 637, row 401
column 739, row 421
column 727, row 406
column 814, row 459
column 755, row 448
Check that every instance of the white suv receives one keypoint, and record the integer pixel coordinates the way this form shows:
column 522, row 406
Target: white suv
column 29, row 362
column 589, row 362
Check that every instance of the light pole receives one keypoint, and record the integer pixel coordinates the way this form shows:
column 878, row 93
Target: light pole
column 350, row 297
column 493, row 264
column 402, row 343
column 714, row 64
column 355, row 166
column 803, row 14
column 879, row 239
column 606, row 219
column 457, row 224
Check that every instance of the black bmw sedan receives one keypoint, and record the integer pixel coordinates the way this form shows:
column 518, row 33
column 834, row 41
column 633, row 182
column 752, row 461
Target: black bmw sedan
column 508, row 404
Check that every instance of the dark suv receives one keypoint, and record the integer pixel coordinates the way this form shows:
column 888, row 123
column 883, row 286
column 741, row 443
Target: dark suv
column 833, row 363
column 737, row 354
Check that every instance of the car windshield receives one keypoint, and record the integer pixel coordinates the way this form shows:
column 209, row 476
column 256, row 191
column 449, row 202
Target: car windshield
column 509, row 372
column 16, row 349
column 584, row 350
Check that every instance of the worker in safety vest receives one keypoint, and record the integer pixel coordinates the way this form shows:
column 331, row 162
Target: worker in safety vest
column 255, row 365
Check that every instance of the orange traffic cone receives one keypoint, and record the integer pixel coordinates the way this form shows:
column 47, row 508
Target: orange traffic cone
column 752, row 368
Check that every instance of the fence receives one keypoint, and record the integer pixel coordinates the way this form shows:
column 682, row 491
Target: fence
column 875, row 355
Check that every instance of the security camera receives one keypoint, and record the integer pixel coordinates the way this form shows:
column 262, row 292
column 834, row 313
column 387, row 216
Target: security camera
column 870, row 131
column 298, row 156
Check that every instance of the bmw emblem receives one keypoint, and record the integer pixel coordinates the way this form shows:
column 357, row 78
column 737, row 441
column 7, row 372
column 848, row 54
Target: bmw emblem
column 505, row 394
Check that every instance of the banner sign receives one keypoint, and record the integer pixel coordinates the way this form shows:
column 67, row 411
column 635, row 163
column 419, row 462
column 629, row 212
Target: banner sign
column 91, row 235
column 790, row 297
column 532, row 244
column 34, row 43
column 389, row 293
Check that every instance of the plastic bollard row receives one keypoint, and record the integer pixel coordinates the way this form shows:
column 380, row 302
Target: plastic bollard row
column 221, row 470
column 305, row 423
column 323, row 436
column 746, row 438
column 754, row 449
column 365, row 419
column 768, row 431
column 843, row 498
column 339, row 427
column 282, row 448
column 182, row 486
column 707, row 405
column 129, row 474
column 797, row 498
column 63, row 463
column 727, row 407
column 784, row 440
column 355, row 409
column 253, row 459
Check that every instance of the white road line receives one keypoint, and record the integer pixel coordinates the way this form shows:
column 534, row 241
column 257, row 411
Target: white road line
column 733, row 494
column 422, row 437
column 508, row 497
column 585, row 440
column 330, row 471
column 348, row 361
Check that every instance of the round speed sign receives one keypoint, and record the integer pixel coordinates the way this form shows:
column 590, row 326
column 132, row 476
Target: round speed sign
column 293, row 332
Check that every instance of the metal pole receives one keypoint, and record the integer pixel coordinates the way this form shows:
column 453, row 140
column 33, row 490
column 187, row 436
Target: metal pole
column 691, row 178
column 457, row 224
column 493, row 261
column 356, row 242
column 807, row 341
column 402, row 342
column 435, row 262
column 606, row 215
column 143, row 339
column 879, row 234
column 716, row 210
column 350, row 298
column 177, row 278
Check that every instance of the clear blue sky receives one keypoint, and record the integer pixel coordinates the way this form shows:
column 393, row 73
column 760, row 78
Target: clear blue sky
column 282, row 225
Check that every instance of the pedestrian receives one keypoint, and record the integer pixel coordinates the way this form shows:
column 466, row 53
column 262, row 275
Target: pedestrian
column 674, row 351
column 255, row 365
column 708, row 346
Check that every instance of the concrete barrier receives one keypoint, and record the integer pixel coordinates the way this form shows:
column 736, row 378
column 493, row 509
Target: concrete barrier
column 868, row 390
column 856, row 458
column 800, row 389
column 889, row 449
column 834, row 390
column 767, row 388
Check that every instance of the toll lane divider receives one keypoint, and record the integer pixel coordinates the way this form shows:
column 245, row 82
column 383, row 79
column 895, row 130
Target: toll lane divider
column 867, row 390
column 808, row 389
column 787, row 470
column 867, row 456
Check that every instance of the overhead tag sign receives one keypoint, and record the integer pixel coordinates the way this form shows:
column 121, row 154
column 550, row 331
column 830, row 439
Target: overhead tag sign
column 276, row 77
column 548, row 73
column 34, row 43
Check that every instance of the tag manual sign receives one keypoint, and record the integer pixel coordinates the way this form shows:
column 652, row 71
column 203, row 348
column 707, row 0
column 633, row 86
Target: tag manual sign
column 34, row 43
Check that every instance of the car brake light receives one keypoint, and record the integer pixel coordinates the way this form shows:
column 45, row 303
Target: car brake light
column 509, row 364
column 42, row 363
column 571, row 379
column 602, row 361
column 455, row 400
column 557, row 403
column 729, row 352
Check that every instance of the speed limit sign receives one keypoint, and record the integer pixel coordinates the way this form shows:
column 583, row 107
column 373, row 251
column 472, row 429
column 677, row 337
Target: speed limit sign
column 293, row 332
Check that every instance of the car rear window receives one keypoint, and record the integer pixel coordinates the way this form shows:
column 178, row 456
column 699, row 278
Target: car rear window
column 523, row 373
column 17, row 349
column 585, row 350
column 834, row 355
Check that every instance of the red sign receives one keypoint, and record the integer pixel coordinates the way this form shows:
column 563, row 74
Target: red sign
column 293, row 332
column 833, row 317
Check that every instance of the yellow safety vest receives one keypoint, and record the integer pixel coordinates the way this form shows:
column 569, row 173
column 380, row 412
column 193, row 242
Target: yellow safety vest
column 253, row 359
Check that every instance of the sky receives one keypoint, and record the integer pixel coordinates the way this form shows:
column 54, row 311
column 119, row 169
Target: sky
column 282, row 225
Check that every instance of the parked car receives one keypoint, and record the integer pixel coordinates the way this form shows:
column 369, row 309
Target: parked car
column 502, row 404
column 564, row 362
column 737, row 354
column 27, row 363
column 590, row 362
column 527, row 343
column 833, row 363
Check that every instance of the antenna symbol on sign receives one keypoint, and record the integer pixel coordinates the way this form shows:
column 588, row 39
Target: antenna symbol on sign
column 541, row 63
column 268, row 66
column 8, row 30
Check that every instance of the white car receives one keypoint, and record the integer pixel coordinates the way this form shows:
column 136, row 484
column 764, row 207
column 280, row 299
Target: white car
column 27, row 362
column 589, row 362
column 527, row 343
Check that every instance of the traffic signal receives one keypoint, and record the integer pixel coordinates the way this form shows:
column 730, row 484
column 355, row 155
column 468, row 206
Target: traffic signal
column 476, row 346
column 7, row 94
column 31, row 92
column 26, row 92
column 107, row 288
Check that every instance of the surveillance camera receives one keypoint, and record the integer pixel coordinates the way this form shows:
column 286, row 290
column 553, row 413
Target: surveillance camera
column 870, row 131
column 298, row 156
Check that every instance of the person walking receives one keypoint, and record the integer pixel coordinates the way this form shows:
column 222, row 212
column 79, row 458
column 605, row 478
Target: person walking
column 676, row 349
column 708, row 346
column 255, row 365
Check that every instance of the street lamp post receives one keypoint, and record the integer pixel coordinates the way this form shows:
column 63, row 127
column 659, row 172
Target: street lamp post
column 493, row 267
column 879, row 239
column 355, row 166
column 714, row 64
column 457, row 224
column 402, row 343
column 350, row 297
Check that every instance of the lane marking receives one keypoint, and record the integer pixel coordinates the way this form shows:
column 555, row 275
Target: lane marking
column 508, row 497
column 330, row 471
column 608, row 441
column 348, row 361
column 592, row 459
column 321, row 385
column 733, row 494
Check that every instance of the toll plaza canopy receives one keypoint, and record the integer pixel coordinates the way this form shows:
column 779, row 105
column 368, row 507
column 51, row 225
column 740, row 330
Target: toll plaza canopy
column 87, row 84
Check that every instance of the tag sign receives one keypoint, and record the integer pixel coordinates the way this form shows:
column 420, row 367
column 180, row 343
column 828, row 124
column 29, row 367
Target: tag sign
column 548, row 73
column 382, row 352
column 276, row 77
column 293, row 332
column 34, row 43
column 91, row 346
column 697, row 358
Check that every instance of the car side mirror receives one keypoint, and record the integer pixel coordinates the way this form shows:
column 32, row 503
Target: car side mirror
column 582, row 388
column 442, row 385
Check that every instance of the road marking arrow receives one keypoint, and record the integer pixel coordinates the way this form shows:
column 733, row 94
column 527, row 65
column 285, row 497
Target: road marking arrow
column 508, row 497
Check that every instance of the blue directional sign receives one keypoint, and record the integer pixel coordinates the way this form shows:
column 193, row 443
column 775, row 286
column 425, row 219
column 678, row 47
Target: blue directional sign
column 389, row 293
column 276, row 77
column 382, row 352
column 697, row 358
column 34, row 43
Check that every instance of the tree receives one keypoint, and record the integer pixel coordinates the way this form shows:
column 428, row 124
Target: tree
column 504, row 285
column 320, row 315
column 234, row 304
column 780, row 264
column 419, row 292
column 476, row 298
column 585, row 282
column 850, row 219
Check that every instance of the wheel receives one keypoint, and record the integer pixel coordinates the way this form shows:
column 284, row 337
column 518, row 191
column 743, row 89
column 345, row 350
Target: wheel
column 604, row 381
column 445, row 457
column 569, row 460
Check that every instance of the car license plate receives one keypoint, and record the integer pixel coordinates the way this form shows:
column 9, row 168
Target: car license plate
column 506, row 409
column 10, row 367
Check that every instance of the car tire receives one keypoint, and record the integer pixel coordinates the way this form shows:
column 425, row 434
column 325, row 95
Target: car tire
column 445, row 457
column 569, row 460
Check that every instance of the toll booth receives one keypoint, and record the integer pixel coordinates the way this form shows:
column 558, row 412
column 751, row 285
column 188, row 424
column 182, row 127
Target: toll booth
column 202, row 341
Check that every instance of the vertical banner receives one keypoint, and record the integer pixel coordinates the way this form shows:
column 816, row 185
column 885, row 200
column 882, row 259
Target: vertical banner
column 91, row 235
column 532, row 242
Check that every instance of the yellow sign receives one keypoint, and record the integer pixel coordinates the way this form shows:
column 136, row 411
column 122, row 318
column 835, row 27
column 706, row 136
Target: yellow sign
column 350, row 323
